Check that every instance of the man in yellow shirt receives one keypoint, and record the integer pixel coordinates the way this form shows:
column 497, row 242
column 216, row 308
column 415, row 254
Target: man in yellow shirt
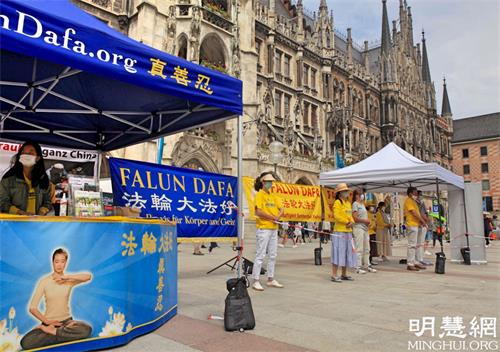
column 268, row 211
column 413, row 221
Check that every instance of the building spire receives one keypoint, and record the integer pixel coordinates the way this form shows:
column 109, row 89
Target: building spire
column 386, row 34
column 426, row 73
column 446, row 108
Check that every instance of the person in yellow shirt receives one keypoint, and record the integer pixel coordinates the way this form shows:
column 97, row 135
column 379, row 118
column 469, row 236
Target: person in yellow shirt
column 383, row 225
column 57, row 324
column 343, row 252
column 413, row 221
column 372, row 232
column 268, row 211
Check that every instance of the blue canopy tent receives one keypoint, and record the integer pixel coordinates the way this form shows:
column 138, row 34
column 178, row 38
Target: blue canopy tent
column 69, row 80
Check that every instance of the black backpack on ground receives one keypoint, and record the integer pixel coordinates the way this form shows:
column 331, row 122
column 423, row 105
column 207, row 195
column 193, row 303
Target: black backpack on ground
column 248, row 267
column 238, row 312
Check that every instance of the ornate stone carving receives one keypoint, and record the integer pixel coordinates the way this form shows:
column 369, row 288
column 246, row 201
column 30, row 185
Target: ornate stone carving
column 170, row 42
column 103, row 3
column 208, row 152
column 195, row 30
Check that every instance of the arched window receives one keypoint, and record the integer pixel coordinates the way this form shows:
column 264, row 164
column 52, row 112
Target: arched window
column 183, row 42
column 213, row 53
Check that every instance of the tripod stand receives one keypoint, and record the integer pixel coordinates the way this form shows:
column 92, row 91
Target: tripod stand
column 235, row 261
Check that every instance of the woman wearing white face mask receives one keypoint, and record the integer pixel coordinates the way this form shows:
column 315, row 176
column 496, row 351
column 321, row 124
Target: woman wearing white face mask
column 24, row 189
column 268, row 211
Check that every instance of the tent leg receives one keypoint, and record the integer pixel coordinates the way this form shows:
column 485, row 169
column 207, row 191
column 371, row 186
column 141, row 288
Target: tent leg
column 440, row 224
column 98, row 172
column 240, row 193
column 159, row 155
column 466, row 225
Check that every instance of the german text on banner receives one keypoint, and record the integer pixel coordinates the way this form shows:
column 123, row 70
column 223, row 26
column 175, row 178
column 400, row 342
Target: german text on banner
column 118, row 281
column 301, row 203
column 328, row 196
column 57, row 160
column 201, row 203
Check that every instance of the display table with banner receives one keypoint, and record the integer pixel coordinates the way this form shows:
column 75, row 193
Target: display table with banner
column 119, row 280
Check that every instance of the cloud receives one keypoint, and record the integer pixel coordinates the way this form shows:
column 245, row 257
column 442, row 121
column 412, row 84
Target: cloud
column 463, row 44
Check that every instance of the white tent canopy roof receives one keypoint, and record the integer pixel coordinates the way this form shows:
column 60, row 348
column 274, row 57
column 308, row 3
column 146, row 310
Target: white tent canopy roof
column 392, row 169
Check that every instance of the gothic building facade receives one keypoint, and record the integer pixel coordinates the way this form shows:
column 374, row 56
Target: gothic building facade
column 305, row 84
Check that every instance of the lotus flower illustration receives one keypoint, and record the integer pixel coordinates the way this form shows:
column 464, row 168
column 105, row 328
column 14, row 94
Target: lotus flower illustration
column 114, row 326
column 10, row 340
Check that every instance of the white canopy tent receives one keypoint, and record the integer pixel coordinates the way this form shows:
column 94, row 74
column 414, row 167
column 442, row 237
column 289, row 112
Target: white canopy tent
column 392, row 169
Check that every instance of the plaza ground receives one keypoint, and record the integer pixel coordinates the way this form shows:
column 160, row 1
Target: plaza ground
column 314, row 314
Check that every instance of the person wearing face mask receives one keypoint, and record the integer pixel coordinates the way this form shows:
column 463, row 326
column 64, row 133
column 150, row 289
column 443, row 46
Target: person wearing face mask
column 413, row 221
column 383, row 234
column 24, row 189
column 268, row 211
column 360, row 232
column 343, row 252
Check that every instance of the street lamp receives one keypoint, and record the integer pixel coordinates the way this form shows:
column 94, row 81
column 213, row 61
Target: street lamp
column 276, row 147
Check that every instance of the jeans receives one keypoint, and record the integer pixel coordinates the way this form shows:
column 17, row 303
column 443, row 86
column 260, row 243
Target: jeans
column 267, row 241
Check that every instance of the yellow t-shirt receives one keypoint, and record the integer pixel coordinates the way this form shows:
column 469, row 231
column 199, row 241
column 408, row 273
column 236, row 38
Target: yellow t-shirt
column 31, row 204
column 380, row 221
column 342, row 211
column 269, row 204
column 411, row 220
column 373, row 223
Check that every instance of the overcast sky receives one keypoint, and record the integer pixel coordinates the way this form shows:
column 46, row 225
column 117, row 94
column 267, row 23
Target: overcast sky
column 463, row 44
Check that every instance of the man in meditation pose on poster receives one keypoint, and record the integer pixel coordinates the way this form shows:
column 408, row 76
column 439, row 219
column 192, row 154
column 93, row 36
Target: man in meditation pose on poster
column 57, row 324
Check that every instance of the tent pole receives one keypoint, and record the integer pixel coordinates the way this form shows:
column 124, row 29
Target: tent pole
column 98, row 172
column 159, row 155
column 440, row 224
column 240, row 193
column 465, row 215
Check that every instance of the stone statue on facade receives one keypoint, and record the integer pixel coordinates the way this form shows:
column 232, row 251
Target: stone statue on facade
column 171, row 31
column 195, row 30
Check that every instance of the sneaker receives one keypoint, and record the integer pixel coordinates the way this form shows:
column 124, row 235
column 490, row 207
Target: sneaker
column 274, row 283
column 281, row 245
column 360, row 271
column 425, row 262
column 336, row 279
column 294, row 246
column 371, row 270
column 385, row 259
column 373, row 263
column 427, row 253
column 412, row 268
column 420, row 266
column 257, row 286
column 198, row 253
column 347, row 278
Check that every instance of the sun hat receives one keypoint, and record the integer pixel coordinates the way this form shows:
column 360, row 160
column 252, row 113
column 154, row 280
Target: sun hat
column 268, row 177
column 341, row 187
